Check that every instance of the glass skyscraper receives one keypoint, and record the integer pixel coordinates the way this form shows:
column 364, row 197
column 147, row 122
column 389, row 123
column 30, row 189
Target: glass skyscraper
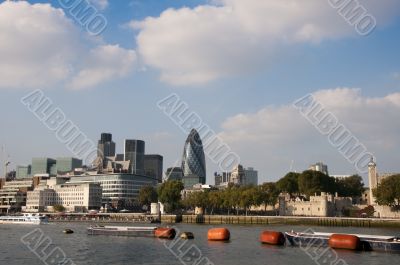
column 193, row 159
column 134, row 152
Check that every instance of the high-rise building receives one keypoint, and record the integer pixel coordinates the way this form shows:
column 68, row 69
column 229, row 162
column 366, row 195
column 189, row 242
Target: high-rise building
column 134, row 152
column 23, row 172
column 105, row 146
column 250, row 176
column 67, row 164
column 193, row 159
column 153, row 166
column 321, row 167
column 174, row 173
column 237, row 175
column 43, row 165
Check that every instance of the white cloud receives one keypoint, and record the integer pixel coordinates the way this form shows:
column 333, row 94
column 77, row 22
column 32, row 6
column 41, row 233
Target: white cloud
column 272, row 137
column 101, row 4
column 41, row 47
column 104, row 63
column 193, row 46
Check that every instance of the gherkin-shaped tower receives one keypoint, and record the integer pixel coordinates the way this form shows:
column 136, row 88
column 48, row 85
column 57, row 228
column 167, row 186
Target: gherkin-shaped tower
column 193, row 160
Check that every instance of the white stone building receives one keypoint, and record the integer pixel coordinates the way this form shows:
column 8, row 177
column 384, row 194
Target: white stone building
column 75, row 197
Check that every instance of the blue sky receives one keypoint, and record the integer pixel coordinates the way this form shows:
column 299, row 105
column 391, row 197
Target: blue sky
column 238, row 69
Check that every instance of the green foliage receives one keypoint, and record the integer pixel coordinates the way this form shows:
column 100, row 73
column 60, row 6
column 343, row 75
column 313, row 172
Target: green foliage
column 388, row 191
column 269, row 193
column 311, row 182
column 148, row 195
column 169, row 193
column 289, row 183
column 59, row 208
column 352, row 186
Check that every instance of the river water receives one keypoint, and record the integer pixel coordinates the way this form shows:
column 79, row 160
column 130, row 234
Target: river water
column 16, row 247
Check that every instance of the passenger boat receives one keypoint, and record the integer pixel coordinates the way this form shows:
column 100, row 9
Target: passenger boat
column 31, row 219
column 122, row 231
column 345, row 241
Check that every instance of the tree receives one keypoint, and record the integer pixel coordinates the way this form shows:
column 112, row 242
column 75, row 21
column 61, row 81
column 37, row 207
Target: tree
column 352, row 186
column 289, row 183
column 147, row 195
column 269, row 194
column 388, row 191
column 169, row 193
column 311, row 182
column 59, row 208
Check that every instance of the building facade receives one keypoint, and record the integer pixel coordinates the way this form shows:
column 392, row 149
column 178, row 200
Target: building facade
column 153, row 166
column 75, row 197
column 325, row 205
column 23, row 172
column 105, row 147
column 174, row 173
column 43, row 165
column 134, row 151
column 251, row 176
column 124, row 187
column 321, row 167
column 193, row 158
column 67, row 164
column 13, row 195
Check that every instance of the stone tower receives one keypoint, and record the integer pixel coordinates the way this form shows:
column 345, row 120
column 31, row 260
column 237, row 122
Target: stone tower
column 373, row 179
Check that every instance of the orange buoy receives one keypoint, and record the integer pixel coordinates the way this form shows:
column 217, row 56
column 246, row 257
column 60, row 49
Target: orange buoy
column 219, row 234
column 342, row 241
column 272, row 238
column 166, row 233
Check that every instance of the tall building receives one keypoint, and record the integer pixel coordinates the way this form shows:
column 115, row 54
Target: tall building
column 174, row 173
column 373, row 179
column 250, row 176
column 237, row 175
column 193, row 159
column 134, row 152
column 43, row 165
column 321, row 167
column 153, row 166
column 23, row 172
column 67, row 164
column 105, row 147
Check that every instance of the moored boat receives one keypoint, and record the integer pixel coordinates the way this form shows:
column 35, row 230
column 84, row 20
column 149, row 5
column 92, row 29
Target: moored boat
column 29, row 219
column 344, row 241
column 122, row 231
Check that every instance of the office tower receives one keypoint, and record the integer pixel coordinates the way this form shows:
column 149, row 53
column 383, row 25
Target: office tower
column 237, row 175
column 134, row 152
column 321, row 167
column 250, row 176
column 153, row 166
column 67, row 164
column 193, row 159
column 43, row 165
column 23, row 172
column 105, row 147
column 174, row 173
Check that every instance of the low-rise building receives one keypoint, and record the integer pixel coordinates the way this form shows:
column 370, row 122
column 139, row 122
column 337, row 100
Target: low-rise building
column 324, row 205
column 78, row 197
column 13, row 195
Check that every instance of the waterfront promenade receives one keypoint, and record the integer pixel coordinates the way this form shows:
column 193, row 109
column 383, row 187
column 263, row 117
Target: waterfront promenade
column 231, row 219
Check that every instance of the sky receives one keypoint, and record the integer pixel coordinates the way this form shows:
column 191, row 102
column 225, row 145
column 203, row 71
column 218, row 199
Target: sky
column 239, row 65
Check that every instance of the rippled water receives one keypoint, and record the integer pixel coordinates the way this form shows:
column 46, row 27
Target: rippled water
column 243, row 248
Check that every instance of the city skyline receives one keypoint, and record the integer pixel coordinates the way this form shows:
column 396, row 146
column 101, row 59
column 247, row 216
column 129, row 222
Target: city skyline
column 243, row 86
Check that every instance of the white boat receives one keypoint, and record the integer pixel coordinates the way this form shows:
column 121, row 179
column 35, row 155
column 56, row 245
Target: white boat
column 30, row 219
